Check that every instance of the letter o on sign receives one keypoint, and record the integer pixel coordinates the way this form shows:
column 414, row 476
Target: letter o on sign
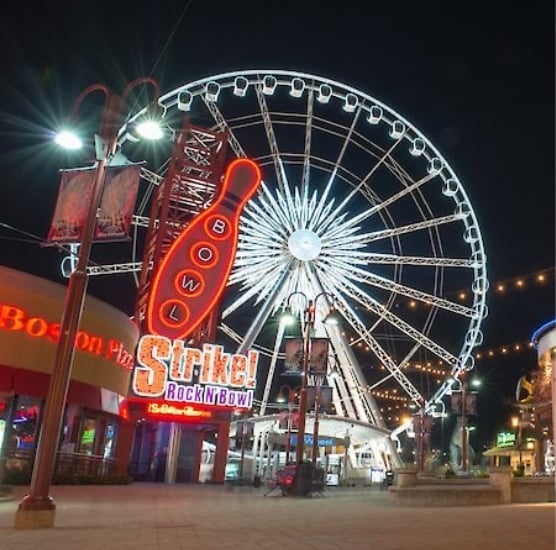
column 204, row 255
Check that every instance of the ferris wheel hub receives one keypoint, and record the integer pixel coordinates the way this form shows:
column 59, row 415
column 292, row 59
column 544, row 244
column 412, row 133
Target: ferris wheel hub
column 304, row 244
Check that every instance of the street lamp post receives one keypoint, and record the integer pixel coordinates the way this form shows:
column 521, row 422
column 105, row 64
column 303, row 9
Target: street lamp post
column 464, row 434
column 464, row 414
column 300, row 442
column 316, row 423
column 442, row 417
column 421, row 441
column 289, row 436
column 309, row 318
column 422, row 427
column 37, row 508
column 518, row 422
column 245, row 433
column 291, row 406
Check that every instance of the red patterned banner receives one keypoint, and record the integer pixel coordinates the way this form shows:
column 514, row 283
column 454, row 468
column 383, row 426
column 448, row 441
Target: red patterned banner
column 294, row 356
column 121, row 184
column 72, row 206
column 318, row 356
column 118, row 203
column 325, row 398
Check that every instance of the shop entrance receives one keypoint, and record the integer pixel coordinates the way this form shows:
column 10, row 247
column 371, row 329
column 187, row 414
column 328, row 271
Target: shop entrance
column 170, row 452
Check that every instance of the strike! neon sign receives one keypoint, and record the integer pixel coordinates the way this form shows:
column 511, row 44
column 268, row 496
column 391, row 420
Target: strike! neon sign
column 208, row 377
column 194, row 272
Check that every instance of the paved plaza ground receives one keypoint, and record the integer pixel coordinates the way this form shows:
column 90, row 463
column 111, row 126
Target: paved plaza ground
column 205, row 517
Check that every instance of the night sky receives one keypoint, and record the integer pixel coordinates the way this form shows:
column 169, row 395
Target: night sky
column 477, row 78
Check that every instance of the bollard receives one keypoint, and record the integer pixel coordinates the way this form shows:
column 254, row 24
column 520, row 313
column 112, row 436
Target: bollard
column 406, row 477
column 501, row 477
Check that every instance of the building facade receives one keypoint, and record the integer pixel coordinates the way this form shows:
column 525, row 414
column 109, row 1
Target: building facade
column 30, row 313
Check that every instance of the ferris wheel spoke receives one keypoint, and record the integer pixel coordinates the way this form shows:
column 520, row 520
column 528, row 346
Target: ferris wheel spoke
column 255, row 242
column 300, row 206
column 409, row 355
column 247, row 272
column 385, row 358
column 264, row 311
column 347, row 241
column 350, row 251
column 411, row 228
column 352, row 223
column 396, row 259
column 272, row 366
column 229, row 331
column 397, row 196
column 262, row 288
column 307, row 146
column 273, row 208
column 321, row 209
column 346, row 142
column 365, row 277
column 258, row 229
column 397, row 322
column 271, row 138
column 364, row 181
column 242, row 297
column 287, row 203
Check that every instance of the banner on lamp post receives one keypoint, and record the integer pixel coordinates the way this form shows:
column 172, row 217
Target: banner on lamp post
column 293, row 363
column 455, row 403
column 325, row 397
column 318, row 356
column 72, row 205
column 121, row 184
column 75, row 193
column 470, row 403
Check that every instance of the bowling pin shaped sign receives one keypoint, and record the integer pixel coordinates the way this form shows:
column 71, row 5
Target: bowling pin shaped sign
column 194, row 272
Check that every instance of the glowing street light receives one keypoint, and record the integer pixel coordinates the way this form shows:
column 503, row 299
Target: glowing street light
column 37, row 508
column 150, row 129
column 68, row 140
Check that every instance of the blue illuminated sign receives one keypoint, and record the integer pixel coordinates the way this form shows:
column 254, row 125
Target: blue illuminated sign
column 322, row 441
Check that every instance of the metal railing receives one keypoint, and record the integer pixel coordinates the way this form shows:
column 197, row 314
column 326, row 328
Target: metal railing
column 18, row 461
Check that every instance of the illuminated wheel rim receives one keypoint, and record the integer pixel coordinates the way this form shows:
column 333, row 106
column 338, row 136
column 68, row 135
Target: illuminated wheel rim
column 356, row 203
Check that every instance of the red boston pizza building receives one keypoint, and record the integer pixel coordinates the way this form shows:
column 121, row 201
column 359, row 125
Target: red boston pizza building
column 30, row 313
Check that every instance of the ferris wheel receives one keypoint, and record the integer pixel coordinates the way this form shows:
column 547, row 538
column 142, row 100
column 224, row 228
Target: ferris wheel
column 356, row 206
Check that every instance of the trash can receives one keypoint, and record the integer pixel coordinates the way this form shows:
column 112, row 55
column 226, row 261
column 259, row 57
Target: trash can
column 389, row 478
column 303, row 482
column 257, row 481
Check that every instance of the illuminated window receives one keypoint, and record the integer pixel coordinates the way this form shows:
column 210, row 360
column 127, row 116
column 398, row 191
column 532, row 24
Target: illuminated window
column 88, row 432
column 25, row 422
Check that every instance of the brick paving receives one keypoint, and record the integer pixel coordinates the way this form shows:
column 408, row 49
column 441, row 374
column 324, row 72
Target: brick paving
column 205, row 517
